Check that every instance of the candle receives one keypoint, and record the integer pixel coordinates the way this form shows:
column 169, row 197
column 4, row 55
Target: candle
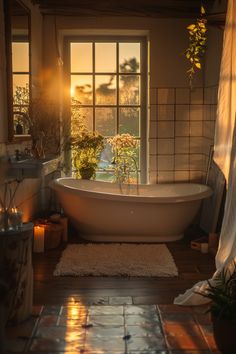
column 204, row 247
column 39, row 239
column 15, row 217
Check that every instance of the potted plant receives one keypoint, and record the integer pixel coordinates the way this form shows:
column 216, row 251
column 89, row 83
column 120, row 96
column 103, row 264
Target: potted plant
column 223, row 309
column 39, row 118
column 86, row 149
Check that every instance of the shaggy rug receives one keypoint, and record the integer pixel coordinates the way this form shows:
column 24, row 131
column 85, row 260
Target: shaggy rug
column 139, row 260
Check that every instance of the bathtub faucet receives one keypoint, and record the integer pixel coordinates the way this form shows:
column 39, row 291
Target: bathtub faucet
column 123, row 168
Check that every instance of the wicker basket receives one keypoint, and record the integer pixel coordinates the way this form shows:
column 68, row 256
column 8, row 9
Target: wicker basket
column 52, row 235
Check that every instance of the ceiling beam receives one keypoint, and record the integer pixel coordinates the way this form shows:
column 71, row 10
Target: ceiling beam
column 146, row 8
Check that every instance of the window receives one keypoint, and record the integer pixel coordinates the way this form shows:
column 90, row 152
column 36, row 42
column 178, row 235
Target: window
column 21, row 78
column 108, row 89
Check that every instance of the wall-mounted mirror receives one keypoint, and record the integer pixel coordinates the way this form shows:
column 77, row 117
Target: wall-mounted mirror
column 18, row 68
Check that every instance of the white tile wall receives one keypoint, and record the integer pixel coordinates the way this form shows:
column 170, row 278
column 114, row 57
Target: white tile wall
column 196, row 95
column 181, row 133
column 153, row 129
column 165, row 112
column 165, row 162
column 195, row 128
column 181, row 145
column 208, row 128
column 165, row 177
column 181, row 176
column 196, row 176
column 165, row 129
column 181, row 162
column 166, row 96
column 182, row 128
column 196, row 162
column 197, row 145
column 196, row 112
column 153, row 112
column 182, row 112
column 152, row 163
column 182, row 96
column 165, row 146
column 153, row 146
column 153, row 177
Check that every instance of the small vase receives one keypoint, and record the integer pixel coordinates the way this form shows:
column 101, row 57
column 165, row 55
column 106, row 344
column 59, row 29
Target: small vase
column 87, row 172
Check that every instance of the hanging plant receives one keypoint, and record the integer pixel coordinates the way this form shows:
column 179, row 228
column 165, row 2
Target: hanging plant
column 197, row 44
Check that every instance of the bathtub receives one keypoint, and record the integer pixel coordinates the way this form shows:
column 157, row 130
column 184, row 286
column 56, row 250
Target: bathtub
column 107, row 212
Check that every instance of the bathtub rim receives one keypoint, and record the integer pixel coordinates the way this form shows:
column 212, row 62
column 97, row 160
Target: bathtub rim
column 58, row 186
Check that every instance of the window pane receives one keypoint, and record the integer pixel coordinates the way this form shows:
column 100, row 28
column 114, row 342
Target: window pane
column 129, row 121
column 105, row 176
column 81, row 88
column 81, row 57
column 129, row 57
column 20, row 56
column 105, row 119
column 21, row 124
column 106, row 158
column 134, row 156
column 129, row 89
column 81, row 117
column 105, row 86
column 105, row 57
column 21, row 89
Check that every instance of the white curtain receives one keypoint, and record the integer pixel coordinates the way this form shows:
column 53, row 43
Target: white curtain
column 224, row 156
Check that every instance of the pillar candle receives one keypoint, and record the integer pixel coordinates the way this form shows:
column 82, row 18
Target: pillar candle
column 39, row 239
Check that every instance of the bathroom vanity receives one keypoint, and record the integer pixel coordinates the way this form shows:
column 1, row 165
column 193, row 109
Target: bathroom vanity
column 35, row 176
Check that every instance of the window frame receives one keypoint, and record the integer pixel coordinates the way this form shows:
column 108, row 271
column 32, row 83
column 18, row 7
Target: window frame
column 143, row 74
column 22, row 39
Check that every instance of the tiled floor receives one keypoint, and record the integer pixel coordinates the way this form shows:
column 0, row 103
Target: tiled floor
column 119, row 327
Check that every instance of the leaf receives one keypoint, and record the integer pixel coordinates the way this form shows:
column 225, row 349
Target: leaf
column 191, row 27
column 203, row 11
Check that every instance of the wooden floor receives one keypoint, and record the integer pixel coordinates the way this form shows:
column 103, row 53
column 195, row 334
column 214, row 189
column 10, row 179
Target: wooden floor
column 192, row 265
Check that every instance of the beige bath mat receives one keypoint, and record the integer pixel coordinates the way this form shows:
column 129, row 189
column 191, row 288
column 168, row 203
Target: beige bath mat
column 138, row 260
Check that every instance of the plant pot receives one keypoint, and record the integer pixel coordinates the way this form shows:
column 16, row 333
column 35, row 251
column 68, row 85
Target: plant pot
column 87, row 172
column 224, row 334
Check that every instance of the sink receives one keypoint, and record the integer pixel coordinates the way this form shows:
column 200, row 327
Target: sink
column 32, row 168
column 14, row 160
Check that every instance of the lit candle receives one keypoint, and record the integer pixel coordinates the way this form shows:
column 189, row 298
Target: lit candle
column 39, row 239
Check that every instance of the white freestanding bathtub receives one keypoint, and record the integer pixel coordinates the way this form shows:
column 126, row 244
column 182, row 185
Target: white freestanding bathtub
column 109, row 212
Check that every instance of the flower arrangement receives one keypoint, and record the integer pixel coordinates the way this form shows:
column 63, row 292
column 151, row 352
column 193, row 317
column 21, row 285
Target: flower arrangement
column 122, row 141
column 124, row 147
column 86, row 149
column 197, row 44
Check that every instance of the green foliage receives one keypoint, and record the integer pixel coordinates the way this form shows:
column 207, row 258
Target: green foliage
column 21, row 96
column 86, row 149
column 223, row 295
column 197, row 44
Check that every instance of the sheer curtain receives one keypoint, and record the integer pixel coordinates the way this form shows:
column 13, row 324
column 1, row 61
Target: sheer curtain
column 224, row 156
